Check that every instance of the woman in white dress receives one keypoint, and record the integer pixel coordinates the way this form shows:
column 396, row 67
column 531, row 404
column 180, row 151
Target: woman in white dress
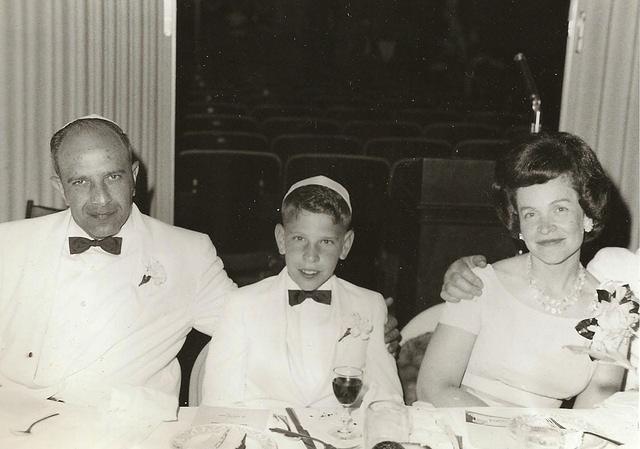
column 507, row 347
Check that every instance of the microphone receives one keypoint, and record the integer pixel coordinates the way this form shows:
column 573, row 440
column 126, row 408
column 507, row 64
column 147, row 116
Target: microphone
column 532, row 89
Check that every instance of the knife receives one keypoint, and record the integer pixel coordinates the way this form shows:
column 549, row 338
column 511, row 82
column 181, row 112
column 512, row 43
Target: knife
column 301, row 430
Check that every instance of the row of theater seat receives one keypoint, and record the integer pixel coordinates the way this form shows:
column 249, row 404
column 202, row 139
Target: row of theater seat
column 363, row 130
column 390, row 148
column 344, row 113
column 234, row 196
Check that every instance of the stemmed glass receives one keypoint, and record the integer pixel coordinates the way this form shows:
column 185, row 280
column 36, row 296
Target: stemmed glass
column 347, row 383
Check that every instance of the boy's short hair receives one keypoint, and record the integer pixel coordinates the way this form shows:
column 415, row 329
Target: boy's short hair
column 317, row 199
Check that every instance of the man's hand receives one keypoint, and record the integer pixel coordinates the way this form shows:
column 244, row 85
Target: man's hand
column 460, row 282
column 392, row 335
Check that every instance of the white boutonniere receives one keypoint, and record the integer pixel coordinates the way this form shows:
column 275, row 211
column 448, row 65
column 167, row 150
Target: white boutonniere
column 357, row 327
column 154, row 273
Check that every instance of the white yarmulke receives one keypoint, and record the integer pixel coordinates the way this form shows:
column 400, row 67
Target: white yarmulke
column 321, row 181
column 90, row 116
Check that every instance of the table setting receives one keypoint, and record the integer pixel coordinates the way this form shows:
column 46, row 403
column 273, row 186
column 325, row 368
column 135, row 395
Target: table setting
column 27, row 422
column 387, row 425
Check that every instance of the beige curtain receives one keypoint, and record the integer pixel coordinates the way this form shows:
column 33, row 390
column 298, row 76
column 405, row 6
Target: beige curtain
column 62, row 59
column 600, row 92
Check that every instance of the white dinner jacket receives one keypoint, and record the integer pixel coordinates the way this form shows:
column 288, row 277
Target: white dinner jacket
column 251, row 361
column 139, row 346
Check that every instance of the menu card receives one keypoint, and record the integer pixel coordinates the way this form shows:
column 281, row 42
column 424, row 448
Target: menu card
column 255, row 418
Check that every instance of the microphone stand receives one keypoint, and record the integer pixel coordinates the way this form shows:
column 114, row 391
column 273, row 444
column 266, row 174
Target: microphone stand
column 536, row 102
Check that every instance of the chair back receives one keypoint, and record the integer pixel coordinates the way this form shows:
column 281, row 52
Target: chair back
column 425, row 321
column 371, row 129
column 396, row 148
column 196, row 377
column 36, row 210
column 262, row 112
column 287, row 145
column 277, row 126
column 344, row 113
column 223, row 140
column 457, row 219
column 415, row 339
column 454, row 132
column 488, row 149
column 426, row 116
column 231, row 195
column 220, row 122
column 210, row 107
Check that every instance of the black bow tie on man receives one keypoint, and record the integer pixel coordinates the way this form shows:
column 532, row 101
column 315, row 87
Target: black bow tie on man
column 112, row 245
column 298, row 296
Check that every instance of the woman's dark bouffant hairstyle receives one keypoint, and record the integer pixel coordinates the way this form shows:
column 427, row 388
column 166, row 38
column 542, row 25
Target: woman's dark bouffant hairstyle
column 543, row 157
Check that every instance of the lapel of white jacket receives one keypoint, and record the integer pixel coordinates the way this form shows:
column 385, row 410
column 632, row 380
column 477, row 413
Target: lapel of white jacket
column 33, row 296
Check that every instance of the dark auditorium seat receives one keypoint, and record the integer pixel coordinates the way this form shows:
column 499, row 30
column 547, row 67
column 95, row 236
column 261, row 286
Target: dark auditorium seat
column 395, row 148
column 262, row 112
column 371, row 129
column 223, row 140
column 488, row 149
column 220, row 122
column 208, row 107
column 277, row 126
column 455, row 132
column 366, row 178
column 345, row 114
column 234, row 197
column 289, row 144
column 424, row 116
column 442, row 210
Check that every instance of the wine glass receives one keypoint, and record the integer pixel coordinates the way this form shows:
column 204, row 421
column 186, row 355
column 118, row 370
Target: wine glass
column 347, row 383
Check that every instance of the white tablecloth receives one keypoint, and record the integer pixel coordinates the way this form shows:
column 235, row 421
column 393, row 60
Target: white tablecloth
column 83, row 428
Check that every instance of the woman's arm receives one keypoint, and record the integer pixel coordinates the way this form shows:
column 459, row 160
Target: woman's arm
column 443, row 368
column 606, row 380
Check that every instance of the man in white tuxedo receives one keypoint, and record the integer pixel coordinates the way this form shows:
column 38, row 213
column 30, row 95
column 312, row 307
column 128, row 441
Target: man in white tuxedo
column 99, row 298
column 281, row 337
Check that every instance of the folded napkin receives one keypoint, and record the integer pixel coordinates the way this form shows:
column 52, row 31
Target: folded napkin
column 225, row 438
column 429, row 426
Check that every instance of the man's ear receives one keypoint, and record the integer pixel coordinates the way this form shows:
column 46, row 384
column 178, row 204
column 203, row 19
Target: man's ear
column 279, row 233
column 57, row 184
column 135, row 166
column 347, row 241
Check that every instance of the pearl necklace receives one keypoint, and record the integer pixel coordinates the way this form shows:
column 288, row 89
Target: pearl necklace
column 553, row 305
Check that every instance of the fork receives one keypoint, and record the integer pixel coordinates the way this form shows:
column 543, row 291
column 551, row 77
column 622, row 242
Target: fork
column 588, row 432
column 283, row 419
column 28, row 429
column 289, row 433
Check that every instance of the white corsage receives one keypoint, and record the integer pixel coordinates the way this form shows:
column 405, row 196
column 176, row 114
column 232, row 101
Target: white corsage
column 357, row 327
column 614, row 321
column 154, row 273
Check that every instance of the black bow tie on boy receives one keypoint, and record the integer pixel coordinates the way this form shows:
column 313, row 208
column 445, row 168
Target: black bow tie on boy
column 112, row 245
column 297, row 296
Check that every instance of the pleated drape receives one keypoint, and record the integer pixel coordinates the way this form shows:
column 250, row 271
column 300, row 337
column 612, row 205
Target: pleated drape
column 61, row 59
column 600, row 91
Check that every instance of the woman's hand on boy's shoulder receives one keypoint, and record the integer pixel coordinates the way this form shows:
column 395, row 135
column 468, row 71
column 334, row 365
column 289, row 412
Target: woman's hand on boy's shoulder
column 392, row 335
